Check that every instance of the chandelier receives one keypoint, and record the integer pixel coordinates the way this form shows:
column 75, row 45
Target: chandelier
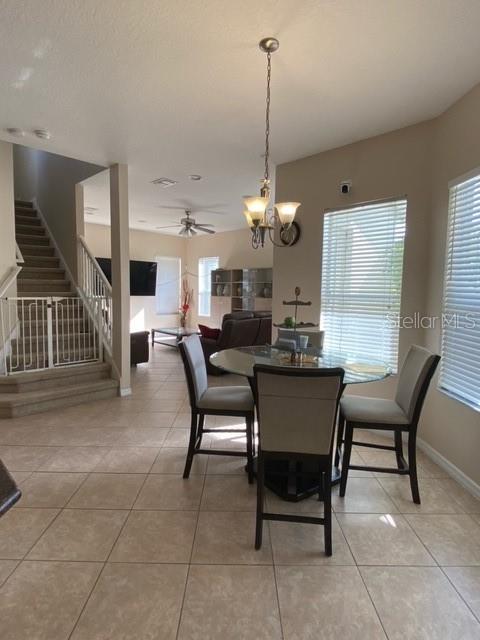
column 261, row 219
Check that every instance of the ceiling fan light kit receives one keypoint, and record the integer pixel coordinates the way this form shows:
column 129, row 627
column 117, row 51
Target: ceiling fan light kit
column 260, row 219
column 189, row 226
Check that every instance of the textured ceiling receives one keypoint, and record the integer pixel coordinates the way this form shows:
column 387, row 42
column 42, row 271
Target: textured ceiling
column 178, row 88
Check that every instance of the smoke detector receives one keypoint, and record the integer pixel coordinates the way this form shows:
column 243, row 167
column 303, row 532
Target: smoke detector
column 164, row 182
column 43, row 134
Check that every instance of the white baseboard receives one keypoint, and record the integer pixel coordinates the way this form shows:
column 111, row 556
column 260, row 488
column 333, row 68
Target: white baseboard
column 453, row 471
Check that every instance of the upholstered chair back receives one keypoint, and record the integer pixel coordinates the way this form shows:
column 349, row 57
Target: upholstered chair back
column 195, row 369
column 297, row 408
column 414, row 378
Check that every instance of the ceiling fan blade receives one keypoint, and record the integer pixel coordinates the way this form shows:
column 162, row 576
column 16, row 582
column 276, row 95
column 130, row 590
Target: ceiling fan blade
column 201, row 228
column 192, row 210
column 169, row 226
column 183, row 232
column 174, row 207
column 192, row 232
column 209, row 211
column 203, row 224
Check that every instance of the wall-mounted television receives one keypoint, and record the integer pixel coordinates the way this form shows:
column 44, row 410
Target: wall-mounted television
column 143, row 275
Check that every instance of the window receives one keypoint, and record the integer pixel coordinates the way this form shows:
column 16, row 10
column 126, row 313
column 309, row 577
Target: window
column 460, row 364
column 362, row 280
column 205, row 268
column 167, row 290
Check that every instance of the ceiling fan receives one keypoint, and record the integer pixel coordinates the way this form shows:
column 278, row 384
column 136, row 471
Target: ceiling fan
column 189, row 226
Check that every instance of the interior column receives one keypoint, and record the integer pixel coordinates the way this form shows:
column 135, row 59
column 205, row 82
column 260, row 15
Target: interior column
column 120, row 275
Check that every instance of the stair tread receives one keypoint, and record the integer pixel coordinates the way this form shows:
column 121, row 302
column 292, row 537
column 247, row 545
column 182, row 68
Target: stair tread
column 43, row 281
column 32, row 236
column 48, row 374
column 29, row 397
column 45, row 270
column 23, row 229
column 28, row 260
column 47, row 294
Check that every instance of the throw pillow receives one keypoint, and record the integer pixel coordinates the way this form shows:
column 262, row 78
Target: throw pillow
column 209, row 332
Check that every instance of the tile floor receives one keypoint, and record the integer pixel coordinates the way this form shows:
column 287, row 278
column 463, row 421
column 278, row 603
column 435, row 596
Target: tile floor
column 109, row 542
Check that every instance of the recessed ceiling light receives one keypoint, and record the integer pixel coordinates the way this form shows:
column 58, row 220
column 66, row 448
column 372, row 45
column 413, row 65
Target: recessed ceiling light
column 43, row 134
column 14, row 131
column 141, row 220
column 195, row 177
column 164, row 182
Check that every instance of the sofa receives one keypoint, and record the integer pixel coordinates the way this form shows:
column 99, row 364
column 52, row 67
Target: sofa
column 239, row 329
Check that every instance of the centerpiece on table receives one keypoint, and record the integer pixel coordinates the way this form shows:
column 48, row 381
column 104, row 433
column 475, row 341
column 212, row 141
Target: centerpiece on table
column 187, row 296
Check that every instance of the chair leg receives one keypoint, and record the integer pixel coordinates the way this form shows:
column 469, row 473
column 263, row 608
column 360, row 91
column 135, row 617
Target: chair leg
column 249, row 423
column 201, row 422
column 340, row 432
column 260, row 498
column 412, row 466
column 399, row 448
column 327, row 508
column 347, row 451
column 191, row 444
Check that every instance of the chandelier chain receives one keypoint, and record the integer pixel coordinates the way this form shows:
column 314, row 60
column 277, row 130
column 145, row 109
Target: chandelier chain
column 267, row 120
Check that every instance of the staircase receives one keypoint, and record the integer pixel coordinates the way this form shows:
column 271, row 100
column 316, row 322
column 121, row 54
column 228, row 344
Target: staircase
column 56, row 357
column 41, row 274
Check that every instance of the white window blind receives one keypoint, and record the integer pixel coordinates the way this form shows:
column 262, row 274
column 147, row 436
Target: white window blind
column 362, row 280
column 205, row 268
column 167, row 290
column 460, row 364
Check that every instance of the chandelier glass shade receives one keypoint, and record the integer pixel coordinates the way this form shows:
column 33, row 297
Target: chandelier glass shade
column 259, row 217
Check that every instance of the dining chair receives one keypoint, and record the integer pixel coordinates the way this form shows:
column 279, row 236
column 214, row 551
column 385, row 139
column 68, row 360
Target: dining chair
column 400, row 415
column 9, row 492
column 214, row 401
column 297, row 410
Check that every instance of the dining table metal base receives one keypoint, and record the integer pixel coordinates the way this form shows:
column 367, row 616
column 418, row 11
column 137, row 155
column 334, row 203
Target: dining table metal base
column 294, row 481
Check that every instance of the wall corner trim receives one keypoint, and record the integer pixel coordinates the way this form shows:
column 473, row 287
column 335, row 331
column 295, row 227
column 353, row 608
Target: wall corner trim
column 453, row 471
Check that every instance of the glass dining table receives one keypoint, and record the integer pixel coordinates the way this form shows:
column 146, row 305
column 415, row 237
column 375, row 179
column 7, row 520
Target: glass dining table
column 296, row 481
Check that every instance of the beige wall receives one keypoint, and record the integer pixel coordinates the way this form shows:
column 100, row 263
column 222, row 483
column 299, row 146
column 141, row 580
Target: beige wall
column 449, row 426
column 143, row 246
column 51, row 179
column 7, row 226
column 7, row 215
column 418, row 162
column 387, row 166
column 234, row 249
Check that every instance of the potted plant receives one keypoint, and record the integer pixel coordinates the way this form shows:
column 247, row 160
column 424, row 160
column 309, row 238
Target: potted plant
column 187, row 295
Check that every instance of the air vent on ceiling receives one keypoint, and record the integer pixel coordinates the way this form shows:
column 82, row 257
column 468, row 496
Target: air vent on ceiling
column 164, row 182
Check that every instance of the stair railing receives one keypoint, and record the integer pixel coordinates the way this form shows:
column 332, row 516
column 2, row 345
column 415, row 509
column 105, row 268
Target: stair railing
column 96, row 292
column 18, row 255
column 47, row 332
